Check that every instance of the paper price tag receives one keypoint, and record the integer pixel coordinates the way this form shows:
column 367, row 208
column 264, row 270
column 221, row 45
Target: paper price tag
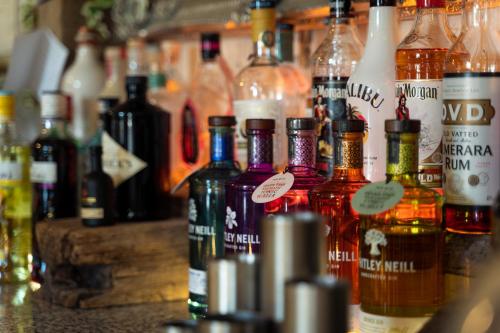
column 273, row 188
column 377, row 197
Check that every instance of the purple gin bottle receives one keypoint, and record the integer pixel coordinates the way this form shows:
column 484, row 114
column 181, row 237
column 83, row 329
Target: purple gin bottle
column 302, row 164
column 242, row 228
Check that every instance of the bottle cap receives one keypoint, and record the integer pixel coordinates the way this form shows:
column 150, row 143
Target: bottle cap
column 53, row 105
column 260, row 124
column 221, row 286
column 348, row 125
column 382, row 3
column 301, row 124
column 431, row 3
column 6, row 105
column 86, row 35
column 180, row 326
column 402, row 126
column 105, row 104
column 340, row 8
column 263, row 4
column 224, row 121
column 210, row 45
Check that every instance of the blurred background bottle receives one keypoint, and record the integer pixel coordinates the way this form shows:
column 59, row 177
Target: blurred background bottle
column 114, row 57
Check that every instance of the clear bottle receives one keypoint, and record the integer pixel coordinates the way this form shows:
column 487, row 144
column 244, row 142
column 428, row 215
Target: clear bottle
column 370, row 89
column 114, row 87
column 401, row 277
column 471, row 141
column 333, row 63
column 207, row 208
column 419, row 78
column 259, row 88
column 15, row 198
column 302, row 165
column 243, row 215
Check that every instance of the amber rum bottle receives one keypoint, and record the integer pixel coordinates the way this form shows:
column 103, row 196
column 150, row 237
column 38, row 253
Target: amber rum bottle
column 419, row 77
column 401, row 249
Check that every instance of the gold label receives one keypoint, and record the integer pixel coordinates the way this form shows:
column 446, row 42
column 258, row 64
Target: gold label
column 263, row 25
column 92, row 213
column 468, row 112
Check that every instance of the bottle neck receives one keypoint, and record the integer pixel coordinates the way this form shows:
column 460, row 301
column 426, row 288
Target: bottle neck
column 222, row 144
column 339, row 27
column 263, row 36
column 302, row 152
column 432, row 21
column 53, row 126
column 7, row 130
column 96, row 164
column 348, row 156
column 87, row 53
column 402, row 157
column 113, row 68
column 260, row 150
column 381, row 28
column 138, row 90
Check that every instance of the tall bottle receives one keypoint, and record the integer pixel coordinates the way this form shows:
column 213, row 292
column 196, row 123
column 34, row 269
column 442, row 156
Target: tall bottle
column 370, row 89
column 243, row 215
column 333, row 201
column 83, row 81
column 207, row 208
column 114, row 87
column 471, row 121
column 15, row 198
column 401, row 249
column 333, row 63
column 302, row 165
column 419, row 78
column 136, row 155
column 259, row 88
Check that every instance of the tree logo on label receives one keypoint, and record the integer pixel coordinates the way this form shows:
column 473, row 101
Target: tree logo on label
column 374, row 238
column 193, row 214
column 230, row 218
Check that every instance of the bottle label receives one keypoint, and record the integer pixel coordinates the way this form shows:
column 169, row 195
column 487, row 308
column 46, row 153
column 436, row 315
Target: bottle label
column 92, row 213
column 239, row 237
column 119, row 163
column 422, row 100
column 263, row 109
column 376, row 198
column 370, row 323
column 44, row 172
column 471, row 140
column 329, row 104
column 11, row 171
column 273, row 188
column 197, row 282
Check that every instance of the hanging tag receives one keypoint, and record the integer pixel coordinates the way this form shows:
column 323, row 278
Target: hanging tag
column 377, row 197
column 273, row 188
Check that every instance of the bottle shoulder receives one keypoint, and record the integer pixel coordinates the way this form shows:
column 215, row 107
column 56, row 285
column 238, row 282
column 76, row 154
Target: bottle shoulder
column 215, row 173
column 259, row 82
column 342, row 187
column 250, row 179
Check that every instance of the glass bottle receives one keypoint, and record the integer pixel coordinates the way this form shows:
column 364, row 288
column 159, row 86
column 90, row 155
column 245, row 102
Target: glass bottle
column 301, row 163
column 471, row 148
column 207, row 208
column 401, row 249
column 97, row 202
column 15, row 198
column 370, row 89
column 104, row 105
column 259, row 88
column 243, row 216
column 136, row 155
column 333, row 201
column 114, row 87
column 419, row 78
column 333, row 63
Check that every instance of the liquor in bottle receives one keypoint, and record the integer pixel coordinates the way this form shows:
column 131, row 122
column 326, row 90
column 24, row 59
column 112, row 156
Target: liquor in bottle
column 15, row 198
column 401, row 249
column 259, row 88
column 370, row 89
column 207, row 208
column 302, row 165
column 97, row 203
column 471, row 141
column 333, row 201
column 136, row 155
column 114, row 87
column 419, row 78
column 333, row 63
column 243, row 215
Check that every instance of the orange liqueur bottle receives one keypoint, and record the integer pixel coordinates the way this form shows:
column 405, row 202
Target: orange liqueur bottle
column 419, row 76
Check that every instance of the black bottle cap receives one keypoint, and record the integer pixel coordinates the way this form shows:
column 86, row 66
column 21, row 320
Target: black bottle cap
column 263, row 4
column 382, row 3
column 340, row 8
column 349, row 125
column 107, row 103
column 402, row 126
column 300, row 123
column 260, row 124
column 225, row 121
column 136, row 85
column 210, row 45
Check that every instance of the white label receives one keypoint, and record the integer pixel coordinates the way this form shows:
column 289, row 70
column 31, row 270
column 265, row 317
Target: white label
column 197, row 282
column 273, row 188
column 92, row 213
column 44, row 172
column 370, row 323
column 11, row 171
column 260, row 109
column 471, row 140
column 377, row 197
column 119, row 163
column 422, row 99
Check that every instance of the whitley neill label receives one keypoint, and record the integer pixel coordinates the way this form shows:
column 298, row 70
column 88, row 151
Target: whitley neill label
column 240, row 237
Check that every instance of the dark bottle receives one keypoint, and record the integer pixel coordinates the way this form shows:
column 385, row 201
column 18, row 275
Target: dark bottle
column 97, row 205
column 207, row 208
column 104, row 106
column 136, row 155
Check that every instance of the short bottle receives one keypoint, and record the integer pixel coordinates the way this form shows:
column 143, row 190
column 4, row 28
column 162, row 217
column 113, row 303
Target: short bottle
column 401, row 249
column 332, row 200
column 243, row 215
column 207, row 208
column 302, row 165
column 97, row 202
